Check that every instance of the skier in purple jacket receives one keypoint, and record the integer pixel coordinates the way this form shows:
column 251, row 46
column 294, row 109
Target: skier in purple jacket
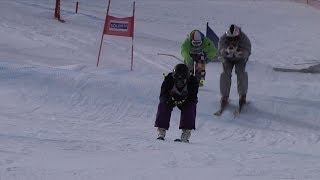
column 179, row 89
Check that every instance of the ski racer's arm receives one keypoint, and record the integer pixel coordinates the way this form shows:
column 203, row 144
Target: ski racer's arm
column 166, row 87
column 244, row 46
column 185, row 51
column 222, row 46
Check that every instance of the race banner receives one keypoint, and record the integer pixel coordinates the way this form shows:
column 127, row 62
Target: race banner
column 119, row 26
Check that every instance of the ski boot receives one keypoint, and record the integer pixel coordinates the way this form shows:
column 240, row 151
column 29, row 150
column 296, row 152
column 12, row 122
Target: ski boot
column 242, row 101
column 223, row 104
column 185, row 135
column 161, row 133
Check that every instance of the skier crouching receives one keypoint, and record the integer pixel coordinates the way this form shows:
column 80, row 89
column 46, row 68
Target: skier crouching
column 196, row 50
column 234, row 49
column 179, row 89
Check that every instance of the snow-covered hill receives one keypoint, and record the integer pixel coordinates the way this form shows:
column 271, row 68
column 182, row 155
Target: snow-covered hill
column 64, row 118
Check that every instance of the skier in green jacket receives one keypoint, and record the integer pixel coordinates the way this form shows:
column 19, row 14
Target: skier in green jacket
column 196, row 50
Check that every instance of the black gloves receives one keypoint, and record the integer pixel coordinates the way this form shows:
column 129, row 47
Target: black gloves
column 173, row 103
column 181, row 104
column 170, row 102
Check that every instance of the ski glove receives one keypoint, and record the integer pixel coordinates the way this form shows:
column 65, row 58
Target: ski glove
column 170, row 102
column 173, row 103
column 232, row 53
column 224, row 53
column 181, row 104
column 242, row 53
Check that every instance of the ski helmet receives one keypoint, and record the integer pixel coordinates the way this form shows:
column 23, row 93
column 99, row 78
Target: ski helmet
column 181, row 71
column 196, row 38
column 233, row 31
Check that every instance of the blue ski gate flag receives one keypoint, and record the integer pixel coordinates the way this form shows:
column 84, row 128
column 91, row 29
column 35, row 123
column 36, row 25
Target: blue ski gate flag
column 212, row 35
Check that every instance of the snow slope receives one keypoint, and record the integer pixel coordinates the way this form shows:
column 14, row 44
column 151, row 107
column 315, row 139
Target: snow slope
column 64, row 118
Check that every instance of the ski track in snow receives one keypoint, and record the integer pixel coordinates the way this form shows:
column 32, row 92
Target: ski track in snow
column 64, row 118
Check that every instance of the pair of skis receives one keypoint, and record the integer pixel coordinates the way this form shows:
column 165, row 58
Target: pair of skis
column 176, row 140
column 235, row 113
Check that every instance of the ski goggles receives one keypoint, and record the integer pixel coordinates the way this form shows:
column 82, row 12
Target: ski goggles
column 180, row 82
column 196, row 43
column 234, row 38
